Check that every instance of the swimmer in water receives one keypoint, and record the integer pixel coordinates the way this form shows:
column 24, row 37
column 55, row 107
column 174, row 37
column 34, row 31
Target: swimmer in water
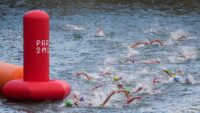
column 187, row 79
column 182, row 37
column 179, row 35
column 179, row 77
column 133, row 60
column 100, row 32
column 82, row 73
column 77, row 99
column 127, row 91
column 156, row 80
column 74, row 101
column 129, row 60
column 127, row 94
column 171, row 75
column 151, row 62
column 153, row 42
column 104, row 73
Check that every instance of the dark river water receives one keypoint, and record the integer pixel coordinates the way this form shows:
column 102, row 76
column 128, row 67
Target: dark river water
column 74, row 47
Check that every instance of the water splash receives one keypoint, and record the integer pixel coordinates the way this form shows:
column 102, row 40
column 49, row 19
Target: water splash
column 99, row 32
column 74, row 27
column 179, row 35
column 110, row 60
column 184, row 53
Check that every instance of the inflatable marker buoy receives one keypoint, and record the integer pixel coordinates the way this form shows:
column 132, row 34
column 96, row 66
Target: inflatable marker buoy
column 36, row 84
column 9, row 72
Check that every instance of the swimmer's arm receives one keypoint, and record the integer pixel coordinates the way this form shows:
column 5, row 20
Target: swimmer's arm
column 168, row 73
column 84, row 74
column 133, row 98
column 137, row 44
column 157, row 40
column 137, row 90
column 114, row 92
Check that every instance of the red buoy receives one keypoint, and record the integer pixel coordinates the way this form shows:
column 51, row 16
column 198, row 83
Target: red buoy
column 36, row 84
column 36, row 46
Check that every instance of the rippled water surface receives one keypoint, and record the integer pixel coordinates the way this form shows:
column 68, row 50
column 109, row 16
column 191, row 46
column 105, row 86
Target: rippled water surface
column 124, row 22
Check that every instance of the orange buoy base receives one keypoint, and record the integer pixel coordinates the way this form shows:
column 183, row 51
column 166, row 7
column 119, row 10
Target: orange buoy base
column 9, row 72
column 36, row 91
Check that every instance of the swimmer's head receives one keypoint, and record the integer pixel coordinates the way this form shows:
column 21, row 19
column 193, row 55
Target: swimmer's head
column 173, row 75
column 180, row 72
column 115, row 78
column 81, row 99
column 128, row 89
column 69, row 103
column 120, row 86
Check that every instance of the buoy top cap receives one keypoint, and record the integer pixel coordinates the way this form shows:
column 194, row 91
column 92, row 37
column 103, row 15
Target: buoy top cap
column 36, row 14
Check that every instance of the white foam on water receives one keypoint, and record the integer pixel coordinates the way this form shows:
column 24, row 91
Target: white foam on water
column 127, row 79
column 100, row 94
column 143, row 71
column 96, row 76
column 132, row 52
column 109, row 69
column 169, row 42
column 188, row 52
column 74, row 27
column 188, row 109
column 98, row 98
column 146, row 87
column 154, row 30
column 76, row 92
column 172, row 59
column 183, row 53
column 110, row 60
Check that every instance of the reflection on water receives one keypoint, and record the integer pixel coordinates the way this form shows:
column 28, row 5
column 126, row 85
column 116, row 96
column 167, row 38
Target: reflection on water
column 74, row 47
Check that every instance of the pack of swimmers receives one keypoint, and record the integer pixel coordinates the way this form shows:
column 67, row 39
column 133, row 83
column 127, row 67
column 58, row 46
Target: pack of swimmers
column 130, row 94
